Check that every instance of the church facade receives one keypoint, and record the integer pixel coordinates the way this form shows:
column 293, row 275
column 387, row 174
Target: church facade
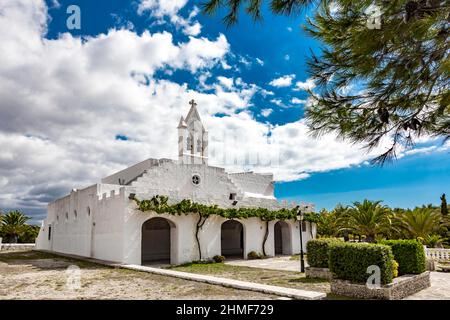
column 103, row 222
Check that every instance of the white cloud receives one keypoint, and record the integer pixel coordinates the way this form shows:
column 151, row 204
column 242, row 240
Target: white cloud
column 121, row 22
column 287, row 57
column 334, row 8
column 170, row 8
column 278, row 102
column 259, row 61
column 193, row 30
column 266, row 93
column 289, row 29
column 284, row 81
column 307, row 85
column 200, row 53
column 245, row 61
column 423, row 150
column 225, row 65
column 226, row 82
column 266, row 112
column 298, row 101
column 160, row 8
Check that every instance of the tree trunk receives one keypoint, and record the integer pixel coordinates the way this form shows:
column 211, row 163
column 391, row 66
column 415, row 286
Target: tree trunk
column 201, row 221
column 266, row 235
column 346, row 237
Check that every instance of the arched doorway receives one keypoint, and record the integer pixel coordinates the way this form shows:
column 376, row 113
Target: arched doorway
column 156, row 241
column 282, row 238
column 232, row 239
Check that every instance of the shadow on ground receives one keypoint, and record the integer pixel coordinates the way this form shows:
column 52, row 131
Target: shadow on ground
column 41, row 260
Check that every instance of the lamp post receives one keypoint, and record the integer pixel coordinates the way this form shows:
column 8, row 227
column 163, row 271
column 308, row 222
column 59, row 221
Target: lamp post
column 300, row 222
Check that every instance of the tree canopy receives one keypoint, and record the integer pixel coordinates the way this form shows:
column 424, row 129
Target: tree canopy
column 383, row 86
column 371, row 221
column 14, row 228
column 444, row 206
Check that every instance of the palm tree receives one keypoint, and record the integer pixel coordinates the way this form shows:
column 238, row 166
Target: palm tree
column 420, row 222
column 13, row 225
column 339, row 213
column 327, row 226
column 29, row 234
column 433, row 241
column 368, row 218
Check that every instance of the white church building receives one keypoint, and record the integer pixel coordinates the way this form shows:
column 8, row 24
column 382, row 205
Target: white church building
column 103, row 222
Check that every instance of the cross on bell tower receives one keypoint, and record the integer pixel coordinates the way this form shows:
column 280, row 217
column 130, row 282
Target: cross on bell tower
column 192, row 138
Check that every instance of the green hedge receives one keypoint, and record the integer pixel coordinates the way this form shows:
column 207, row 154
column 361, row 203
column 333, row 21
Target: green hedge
column 318, row 251
column 409, row 254
column 349, row 261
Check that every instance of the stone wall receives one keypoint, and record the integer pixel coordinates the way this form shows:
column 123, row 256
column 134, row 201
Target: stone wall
column 16, row 246
column 400, row 288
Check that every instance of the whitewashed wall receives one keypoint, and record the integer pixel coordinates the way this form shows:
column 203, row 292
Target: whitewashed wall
column 70, row 233
column 108, row 225
column 95, row 231
column 113, row 230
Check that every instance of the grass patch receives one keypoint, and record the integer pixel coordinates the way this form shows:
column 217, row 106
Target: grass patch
column 25, row 255
column 309, row 280
column 289, row 279
column 332, row 296
column 11, row 256
column 196, row 267
column 296, row 257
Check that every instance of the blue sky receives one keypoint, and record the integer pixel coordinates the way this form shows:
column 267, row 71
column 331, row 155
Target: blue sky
column 279, row 41
column 409, row 182
column 110, row 95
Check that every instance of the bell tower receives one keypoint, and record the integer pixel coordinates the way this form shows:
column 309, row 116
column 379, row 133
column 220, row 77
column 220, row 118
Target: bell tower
column 192, row 138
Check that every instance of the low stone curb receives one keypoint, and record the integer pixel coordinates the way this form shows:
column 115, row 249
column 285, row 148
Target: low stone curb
column 237, row 284
column 16, row 246
column 400, row 288
column 229, row 283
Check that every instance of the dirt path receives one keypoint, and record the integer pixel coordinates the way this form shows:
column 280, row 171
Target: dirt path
column 35, row 275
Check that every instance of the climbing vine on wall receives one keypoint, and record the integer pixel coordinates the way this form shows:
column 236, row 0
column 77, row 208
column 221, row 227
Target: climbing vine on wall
column 159, row 204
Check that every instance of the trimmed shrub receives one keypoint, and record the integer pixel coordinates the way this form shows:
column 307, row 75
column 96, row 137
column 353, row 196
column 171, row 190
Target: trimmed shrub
column 349, row 261
column 409, row 254
column 318, row 251
column 219, row 259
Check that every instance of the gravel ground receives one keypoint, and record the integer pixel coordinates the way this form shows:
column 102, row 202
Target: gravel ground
column 439, row 290
column 36, row 275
